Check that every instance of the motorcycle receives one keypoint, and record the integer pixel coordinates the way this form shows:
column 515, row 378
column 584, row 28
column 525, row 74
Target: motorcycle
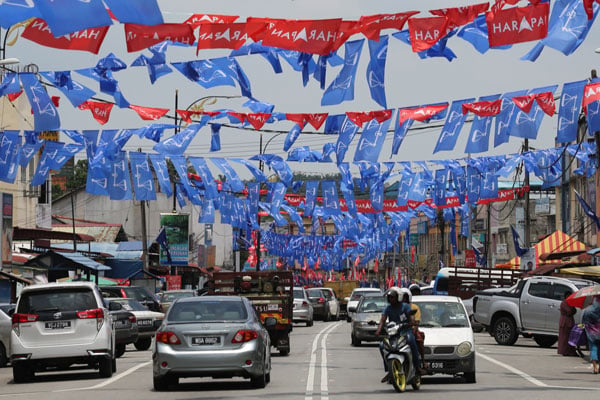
column 399, row 358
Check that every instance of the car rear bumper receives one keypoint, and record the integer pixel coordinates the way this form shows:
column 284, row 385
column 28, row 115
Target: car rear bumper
column 301, row 315
column 21, row 351
column 219, row 363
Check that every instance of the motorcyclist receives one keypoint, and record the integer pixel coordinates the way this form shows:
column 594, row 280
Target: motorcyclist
column 399, row 312
column 415, row 290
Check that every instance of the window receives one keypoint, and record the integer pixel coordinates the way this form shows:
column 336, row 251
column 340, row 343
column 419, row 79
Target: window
column 541, row 289
column 561, row 292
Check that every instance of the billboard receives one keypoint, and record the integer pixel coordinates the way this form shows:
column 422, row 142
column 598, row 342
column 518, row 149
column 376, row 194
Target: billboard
column 177, row 230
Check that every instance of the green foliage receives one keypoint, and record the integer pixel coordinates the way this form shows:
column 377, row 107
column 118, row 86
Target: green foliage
column 79, row 177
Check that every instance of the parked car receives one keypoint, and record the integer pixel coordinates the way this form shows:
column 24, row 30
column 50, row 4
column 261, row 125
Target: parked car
column 8, row 308
column 167, row 297
column 147, row 321
column 125, row 327
column 355, row 298
column 531, row 307
column 139, row 293
column 449, row 343
column 303, row 309
column 366, row 319
column 325, row 305
column 57, row 325
column 5, row 327
column 212, row 336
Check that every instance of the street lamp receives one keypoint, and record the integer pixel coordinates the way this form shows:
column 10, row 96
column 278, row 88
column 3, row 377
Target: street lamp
column 9, row 61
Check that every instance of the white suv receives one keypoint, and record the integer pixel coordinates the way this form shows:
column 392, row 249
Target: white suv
column 57, row 325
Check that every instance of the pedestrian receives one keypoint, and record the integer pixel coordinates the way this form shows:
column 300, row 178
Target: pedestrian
column 565, row 324
column 591, row 322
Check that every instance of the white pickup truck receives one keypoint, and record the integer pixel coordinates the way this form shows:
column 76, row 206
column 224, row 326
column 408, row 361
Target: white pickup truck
column 531, row 308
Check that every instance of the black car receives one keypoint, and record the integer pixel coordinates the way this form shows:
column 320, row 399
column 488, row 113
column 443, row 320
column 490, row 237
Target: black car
column 125, row 327
column 139, row 293
column 319, row 302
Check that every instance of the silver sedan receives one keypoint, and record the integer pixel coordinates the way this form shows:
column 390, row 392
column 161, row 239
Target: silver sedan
column 212, row 336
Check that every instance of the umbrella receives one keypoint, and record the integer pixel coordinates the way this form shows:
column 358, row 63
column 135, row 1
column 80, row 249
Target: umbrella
column 583, row 297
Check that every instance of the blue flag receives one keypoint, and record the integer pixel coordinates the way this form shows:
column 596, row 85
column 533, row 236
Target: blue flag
column 162, row 173
column 342, row 87
column 17, row 11
column 46, row 116
column 311, row 197
column 59, row 15
column 10, row 84
column 480, row 130
column 143, row 12
column 527, row 125
column 74, row 91
column 143, row 183
column 178, row 143
column 108, row 84
column 568, row 113
column 504, row 118
column 10, row 142
column 376, row 70
column 224, row 71
column 400, row 131
column 452, row 126
column 202, row 169
column 161, row 239
column 371, row 140
column 231, row 176
column 119, row 184
column 291, row 137
column 348, row 130
column 157, row 64
column 516, row 240
column 215, row 137
column 588, row 210
column 331, row 203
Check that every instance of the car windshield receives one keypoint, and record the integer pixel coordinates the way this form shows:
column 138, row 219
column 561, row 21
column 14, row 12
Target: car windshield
column 131, row 305
column 172, row 296
column 208, row 311
column 298, row 293
column 441, row 314
column 372, row 305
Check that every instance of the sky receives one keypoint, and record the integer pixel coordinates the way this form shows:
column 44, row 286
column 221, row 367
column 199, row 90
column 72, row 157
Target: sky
column 409, row 81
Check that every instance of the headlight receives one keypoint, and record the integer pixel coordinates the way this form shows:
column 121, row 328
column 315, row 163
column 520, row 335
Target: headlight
column 463, row 349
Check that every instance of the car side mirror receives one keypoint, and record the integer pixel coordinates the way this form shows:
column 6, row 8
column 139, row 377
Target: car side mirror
column 115, row 306
column 270, row 322
column 352, row 309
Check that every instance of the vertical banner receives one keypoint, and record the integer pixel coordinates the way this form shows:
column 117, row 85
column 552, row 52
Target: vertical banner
column 177, row 228
column 7, row 230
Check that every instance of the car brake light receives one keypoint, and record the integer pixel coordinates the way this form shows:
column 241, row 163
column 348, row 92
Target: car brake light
column 22, row 318
column 304, row 304
column 167, row 338
column 97, row 313
column 244, row 335
column 132, row 319
column 321, row 300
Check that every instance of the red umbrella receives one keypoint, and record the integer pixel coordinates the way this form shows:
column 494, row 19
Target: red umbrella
column 583, row 297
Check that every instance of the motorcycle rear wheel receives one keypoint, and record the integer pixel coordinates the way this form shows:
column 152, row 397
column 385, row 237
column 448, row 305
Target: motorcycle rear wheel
column 397, row 375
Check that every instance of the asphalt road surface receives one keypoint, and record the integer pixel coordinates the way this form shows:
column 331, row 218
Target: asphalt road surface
column 323, row 365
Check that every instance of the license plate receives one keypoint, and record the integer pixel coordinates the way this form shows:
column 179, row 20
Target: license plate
column 58, row 324
column 436, row 365
column 144, row 322
column 206, row 340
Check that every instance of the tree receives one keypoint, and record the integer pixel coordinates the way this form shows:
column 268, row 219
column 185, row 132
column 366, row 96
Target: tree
column 79, row 177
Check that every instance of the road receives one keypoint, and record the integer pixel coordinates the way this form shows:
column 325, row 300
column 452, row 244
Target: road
column 323, row 365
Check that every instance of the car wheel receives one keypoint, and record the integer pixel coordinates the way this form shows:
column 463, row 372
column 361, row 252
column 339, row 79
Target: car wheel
column 105, row 367
column 163, row 383
column 545, row 340
column 470, row 377
column 355, row 341
column 348, row 319
column 309, row 323
column 3, row 358
column 505, row 331
column 260, row 381
column 114, row 365
column 22, row 372
column 143, row 343
column 119, row 350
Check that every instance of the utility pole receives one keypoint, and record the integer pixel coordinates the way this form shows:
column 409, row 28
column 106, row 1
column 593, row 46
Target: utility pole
column 594, row 75
column 488, row 231
column 73, row 223
column 527, row 231
column 260, row 166
column 144, row 233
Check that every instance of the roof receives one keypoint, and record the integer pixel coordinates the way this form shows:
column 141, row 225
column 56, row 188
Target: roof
column 54, row 234
column 134, row 245
column 11, row 277
column 52, row 285
column 435, row 298
column 100, row 233
column 557, row 242
column 54, row 260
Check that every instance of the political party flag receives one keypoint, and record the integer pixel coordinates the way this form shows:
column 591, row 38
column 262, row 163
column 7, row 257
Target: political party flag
column 306, row 36
column 516, row 240
column 161, row 239
column 59, row 15
column 143, row 181
column 518, row 24
column 568, row 112
column 452, row 126
column 376, row 69
column 588, row 210
column 342, row 87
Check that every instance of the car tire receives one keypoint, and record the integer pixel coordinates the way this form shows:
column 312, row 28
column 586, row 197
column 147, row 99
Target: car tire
column 260, row 381
column 348, row 319
column 120, row 350
column 355, row 342
column 470, row 377
column 3, row 357
column 105, row 367
column 505, row 331
column 22, row 373
column 309, row 323
column 114, row 365
column 163, row 383
column 143, row 343
column 545, row 340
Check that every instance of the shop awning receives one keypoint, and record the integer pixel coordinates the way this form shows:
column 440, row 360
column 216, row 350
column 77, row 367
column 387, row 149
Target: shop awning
column 591, row 271
column 53, row 260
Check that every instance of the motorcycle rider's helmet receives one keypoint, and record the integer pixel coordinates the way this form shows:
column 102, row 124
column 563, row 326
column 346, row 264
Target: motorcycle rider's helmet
column 393, row 291
column 404, row 292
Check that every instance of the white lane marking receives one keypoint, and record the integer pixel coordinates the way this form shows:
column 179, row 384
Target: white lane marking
column 108, row 381
column 324, row 377
column 529, row 377
column 310, row 381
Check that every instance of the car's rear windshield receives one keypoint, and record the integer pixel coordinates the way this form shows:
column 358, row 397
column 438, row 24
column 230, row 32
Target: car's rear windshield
column 441, row 314
column 314, row 293
column 70, row 299
column 175, row 295
column 298, row 294
column 357, row 294
column 131, row 305
column 207, row 311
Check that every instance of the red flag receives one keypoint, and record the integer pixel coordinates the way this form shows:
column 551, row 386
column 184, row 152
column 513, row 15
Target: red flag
column 399, row 283
column 517, row 24
column 240, row 116
column 420, row 113
column 371, row 25
column 412, row 253
column 376, row 266
column 86, row 40
column 257, row 120
column 307, row 36
column 483, row 108
column 149, row 113
column 222, row 36
column 186, row 115
column 359, row 118
column 545, row 101
column 199, row 19
column 100, row 111
column 591, row 93
column 55, row 100
column 524, row 102
column 425, row 32
column 14, row 96
column 299, row 119
column 139, row 37
column 347, row 29
column 316, row 120
column 459, row 16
